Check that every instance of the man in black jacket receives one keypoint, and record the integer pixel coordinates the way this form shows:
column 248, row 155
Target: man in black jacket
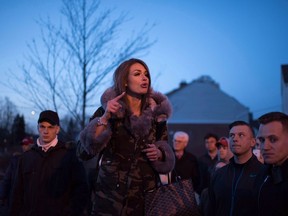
column 186, row 164
column 207, row 161
column 230, row 191
column 50, row 180
column 271, row 186
column 9, row 178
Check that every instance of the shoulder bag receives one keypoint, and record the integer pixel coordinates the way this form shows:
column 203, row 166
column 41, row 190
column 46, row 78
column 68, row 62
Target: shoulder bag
column 176, row 198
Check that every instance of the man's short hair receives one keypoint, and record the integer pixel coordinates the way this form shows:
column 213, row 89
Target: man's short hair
column 274, row 116
column 242, row 123
column 182, row 134
column 209, row 135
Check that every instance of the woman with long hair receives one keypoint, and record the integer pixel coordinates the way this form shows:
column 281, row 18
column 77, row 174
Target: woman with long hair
column 129, row 135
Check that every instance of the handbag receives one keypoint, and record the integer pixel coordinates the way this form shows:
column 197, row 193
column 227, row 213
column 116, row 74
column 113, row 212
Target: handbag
column 176, row 198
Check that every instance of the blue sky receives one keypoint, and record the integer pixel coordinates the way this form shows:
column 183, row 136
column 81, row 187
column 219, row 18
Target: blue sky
column 240, row 44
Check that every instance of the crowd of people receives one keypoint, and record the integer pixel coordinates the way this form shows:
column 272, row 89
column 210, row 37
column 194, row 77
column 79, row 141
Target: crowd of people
column 241, row 174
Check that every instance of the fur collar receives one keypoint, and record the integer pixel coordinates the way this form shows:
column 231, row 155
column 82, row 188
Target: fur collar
column 140, row 126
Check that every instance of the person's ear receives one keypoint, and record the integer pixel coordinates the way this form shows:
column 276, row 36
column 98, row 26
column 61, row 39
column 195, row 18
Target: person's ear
column 253, row 142
column 58, row 130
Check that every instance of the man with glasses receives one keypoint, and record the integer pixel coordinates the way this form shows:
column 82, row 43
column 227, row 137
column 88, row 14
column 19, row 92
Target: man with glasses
column 186, row 165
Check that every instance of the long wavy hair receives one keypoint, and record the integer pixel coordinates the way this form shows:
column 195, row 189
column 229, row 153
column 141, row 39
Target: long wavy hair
column 120, row 78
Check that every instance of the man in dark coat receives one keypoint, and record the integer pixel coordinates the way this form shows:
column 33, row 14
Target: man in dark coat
column 231, row 187
column 207, row 161
column 9, row 178
column 50, row 180
column 186, row 164
column 271, row 186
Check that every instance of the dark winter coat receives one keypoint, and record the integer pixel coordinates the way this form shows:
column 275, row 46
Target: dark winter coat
column 230, row 197
column 187, row 167
column 125, row 173
column 9, row 178
column 206, row 168
column 271, row 188
column 49, row 183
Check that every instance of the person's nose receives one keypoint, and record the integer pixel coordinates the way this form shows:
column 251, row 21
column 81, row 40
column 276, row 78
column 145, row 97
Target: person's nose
column 235, row 139
column 265, row 144
column 144, row 77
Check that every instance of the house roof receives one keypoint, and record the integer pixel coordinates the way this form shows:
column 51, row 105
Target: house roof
column 202, row 101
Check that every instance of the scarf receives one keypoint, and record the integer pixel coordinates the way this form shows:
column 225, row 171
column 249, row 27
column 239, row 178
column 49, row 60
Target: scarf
column 46, row 146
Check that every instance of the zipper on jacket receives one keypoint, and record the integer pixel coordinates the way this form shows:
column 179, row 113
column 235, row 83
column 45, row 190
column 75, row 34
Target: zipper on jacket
column 259, row 192
column 234, row 188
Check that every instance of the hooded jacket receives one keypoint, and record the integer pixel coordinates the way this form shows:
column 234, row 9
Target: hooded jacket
column 125, row 173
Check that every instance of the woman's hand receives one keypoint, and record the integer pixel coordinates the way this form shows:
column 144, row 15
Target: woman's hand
column 112, row 107
column 152, row 152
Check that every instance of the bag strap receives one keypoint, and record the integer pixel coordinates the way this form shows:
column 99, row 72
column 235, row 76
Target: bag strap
column 164, row 179
column 177, row 177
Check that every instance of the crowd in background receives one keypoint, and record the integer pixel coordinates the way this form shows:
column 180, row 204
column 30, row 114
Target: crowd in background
column 125, row 149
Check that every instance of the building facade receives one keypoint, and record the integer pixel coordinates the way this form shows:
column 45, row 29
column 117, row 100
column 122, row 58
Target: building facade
column 201, row 107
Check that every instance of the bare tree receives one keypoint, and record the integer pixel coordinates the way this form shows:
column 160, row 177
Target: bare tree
column 8, row 112
column 77, row 57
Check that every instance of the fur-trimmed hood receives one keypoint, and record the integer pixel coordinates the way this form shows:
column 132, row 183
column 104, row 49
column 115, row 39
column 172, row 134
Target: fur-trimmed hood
column 162, row 104
column 157, row 107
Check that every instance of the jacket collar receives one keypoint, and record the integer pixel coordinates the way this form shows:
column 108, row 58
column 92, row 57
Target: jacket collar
column 140, row 126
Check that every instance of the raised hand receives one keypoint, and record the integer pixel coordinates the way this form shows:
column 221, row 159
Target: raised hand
column 113, row 106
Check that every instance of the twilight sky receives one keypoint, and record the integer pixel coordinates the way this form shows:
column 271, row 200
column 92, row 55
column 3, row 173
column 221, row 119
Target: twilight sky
column 239, row 44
